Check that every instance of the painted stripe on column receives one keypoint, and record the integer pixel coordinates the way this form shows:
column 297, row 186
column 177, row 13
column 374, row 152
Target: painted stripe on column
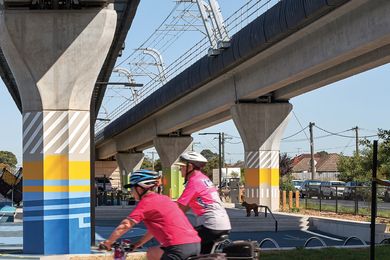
column 26, row 116
column 40, row 141
column 37, row 196
column 80, row 217
column 74, row 133
column 61, row 132
column 56, row 182
column 85, row 133
column 54, row 207
column 29, row 127
column 56, row 188
column 47, row 202
column 32, row 137
column 252, row 159
column 275, row 159
column 265, row 159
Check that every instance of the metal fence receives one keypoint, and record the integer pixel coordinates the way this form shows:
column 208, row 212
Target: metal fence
column 345, row 199
column 112, row 198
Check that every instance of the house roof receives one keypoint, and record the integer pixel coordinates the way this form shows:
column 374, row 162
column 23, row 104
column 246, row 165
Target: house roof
column 325, row 162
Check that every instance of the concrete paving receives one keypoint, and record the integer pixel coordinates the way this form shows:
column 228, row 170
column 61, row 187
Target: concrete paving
column 293, row 230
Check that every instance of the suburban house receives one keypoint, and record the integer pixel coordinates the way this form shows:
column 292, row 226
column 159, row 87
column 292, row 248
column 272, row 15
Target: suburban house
column 325, row 164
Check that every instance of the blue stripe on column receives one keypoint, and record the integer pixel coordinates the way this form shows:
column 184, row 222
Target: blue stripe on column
column 56, row 182
column 36, row 213
column 31, row 196
column 52, row 207
column 34, row 203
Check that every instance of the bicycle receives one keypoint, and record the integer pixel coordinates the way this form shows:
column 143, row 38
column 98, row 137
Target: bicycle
column 121, row 249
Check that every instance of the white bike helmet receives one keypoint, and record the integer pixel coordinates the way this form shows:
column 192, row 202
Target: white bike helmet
column 194, row 158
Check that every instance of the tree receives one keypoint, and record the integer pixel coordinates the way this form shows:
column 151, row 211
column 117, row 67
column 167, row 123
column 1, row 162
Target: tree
column 208, row 154
column 8, row 158
column 285, row 165
column 359, row 167
column 285, row 171
column 213, row 163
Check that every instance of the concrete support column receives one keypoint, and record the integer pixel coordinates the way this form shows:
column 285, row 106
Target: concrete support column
column 261, row 127
column 128, row 162
column 169, row 149
column 56, row 57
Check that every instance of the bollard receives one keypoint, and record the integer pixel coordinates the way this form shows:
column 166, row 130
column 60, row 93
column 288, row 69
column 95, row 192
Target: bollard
column 337, row 201
column 112, row 199
column 105, row 198
column 290, row 199
column 284, row 200
column 297, row 199
column 320, row 196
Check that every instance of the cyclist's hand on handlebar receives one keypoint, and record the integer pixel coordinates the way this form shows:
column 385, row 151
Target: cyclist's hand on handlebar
column 105, row 245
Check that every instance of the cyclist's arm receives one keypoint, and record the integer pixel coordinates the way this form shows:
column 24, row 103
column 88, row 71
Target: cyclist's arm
column 184, row 208
column 123, row 227
column 143, row 240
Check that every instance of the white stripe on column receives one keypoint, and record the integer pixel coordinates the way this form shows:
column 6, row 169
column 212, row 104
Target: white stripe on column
column 26, row 116
column 40, row 141
column 275, row 159
column 32, row 137
column 31, row 124
column 267, row 192
column 73, row 134
column 54, row 125
column 61, row 132
column 86, row 131
column 86, row 146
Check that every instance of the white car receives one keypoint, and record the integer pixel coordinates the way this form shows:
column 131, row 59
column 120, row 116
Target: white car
column 328, row 189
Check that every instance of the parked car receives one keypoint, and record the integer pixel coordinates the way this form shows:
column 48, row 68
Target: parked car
column 386, row 195
column 103, row 184
column 310, row 188
column 352, row 189
column 329, row 188
column 297, row 183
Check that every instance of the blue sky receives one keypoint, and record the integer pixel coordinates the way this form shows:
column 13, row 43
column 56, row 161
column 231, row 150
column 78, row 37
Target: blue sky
column 361, row 100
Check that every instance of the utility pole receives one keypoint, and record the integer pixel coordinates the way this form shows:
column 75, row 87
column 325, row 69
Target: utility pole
column 224, row 138
column 220, row 160
column 357, row 139
column 312, row 165
column 219, row 154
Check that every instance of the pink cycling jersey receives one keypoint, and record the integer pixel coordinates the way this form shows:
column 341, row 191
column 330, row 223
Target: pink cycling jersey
column 164, row 220
column 202, row 197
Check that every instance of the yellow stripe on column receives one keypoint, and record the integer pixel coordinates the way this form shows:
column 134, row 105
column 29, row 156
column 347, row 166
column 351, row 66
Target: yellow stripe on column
column 56, row 167
column 79, row 170
column 56, row 189
column 255, row 177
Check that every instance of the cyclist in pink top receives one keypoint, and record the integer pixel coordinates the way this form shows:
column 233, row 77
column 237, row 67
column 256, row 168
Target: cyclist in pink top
column 201, row 196
column 163, row 219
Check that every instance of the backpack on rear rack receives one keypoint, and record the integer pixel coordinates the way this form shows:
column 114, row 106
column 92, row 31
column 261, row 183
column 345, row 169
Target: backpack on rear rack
column 241, row 250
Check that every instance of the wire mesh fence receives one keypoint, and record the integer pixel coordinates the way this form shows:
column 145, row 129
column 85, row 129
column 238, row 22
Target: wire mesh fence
column 346, row 199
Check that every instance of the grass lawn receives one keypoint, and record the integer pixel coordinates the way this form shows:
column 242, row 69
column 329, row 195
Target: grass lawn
column 381, row 253
column 348, row 210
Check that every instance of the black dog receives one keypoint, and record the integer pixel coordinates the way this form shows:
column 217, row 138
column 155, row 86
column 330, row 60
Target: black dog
column 250, row 207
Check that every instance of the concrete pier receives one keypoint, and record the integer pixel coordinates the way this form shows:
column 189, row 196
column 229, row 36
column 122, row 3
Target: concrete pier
column 56, row 56
column 169, row 149
column 261, row 127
